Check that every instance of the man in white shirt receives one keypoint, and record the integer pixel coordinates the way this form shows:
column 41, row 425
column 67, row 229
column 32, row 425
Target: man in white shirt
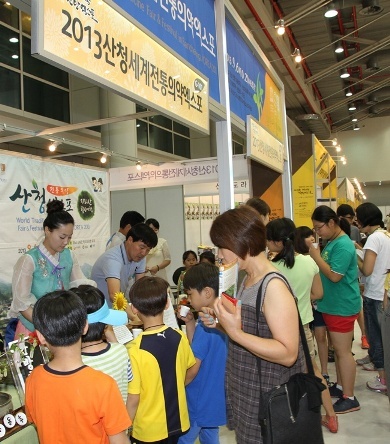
column 128, row 220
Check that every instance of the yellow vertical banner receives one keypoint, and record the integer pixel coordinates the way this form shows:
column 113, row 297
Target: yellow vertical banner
column 303, row 179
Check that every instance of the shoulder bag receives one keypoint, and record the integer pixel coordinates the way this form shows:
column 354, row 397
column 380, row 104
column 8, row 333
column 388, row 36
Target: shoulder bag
column 290, row 413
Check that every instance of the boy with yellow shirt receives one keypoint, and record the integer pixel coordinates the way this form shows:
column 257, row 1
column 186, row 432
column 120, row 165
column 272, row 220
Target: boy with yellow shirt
column 162, row 361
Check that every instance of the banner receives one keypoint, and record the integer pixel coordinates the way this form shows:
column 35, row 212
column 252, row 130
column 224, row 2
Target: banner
column 174, row 173
column 252, row 91
column 26, row 185
column 186, row 26
column 93, row 40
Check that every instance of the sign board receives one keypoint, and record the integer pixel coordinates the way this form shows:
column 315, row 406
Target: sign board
column 186, row 26
column 174, row 173
column 264, row 147
column 91, row 39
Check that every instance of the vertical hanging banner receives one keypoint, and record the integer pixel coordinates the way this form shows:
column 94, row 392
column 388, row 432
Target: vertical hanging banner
column 26, row 185
column 252, row 91
column 92, row 39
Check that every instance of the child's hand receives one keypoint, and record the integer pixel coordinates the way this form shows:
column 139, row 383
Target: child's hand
column 187, row 318
column 109, row 334
column 207, row 316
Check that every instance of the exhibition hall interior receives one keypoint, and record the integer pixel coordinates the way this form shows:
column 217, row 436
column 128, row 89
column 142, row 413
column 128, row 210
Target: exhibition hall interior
column 182, row 110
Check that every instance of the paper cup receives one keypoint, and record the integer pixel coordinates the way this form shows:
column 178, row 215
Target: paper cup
column 184, row 311
column 315, row 245
column 136, row 332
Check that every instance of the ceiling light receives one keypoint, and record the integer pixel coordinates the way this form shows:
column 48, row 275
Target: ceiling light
column 280, row 29
column 297, row 55
column 138, row 165
column 348, row 92
column 352, row 107
column 103, row 159
column 14, row 40
column 334, row 142
column 380, row 183
column 354, row 119
column 338, row 148
column 53, row 146
column 342, row 158
column 331, row 11
column 15, row 56
column 339, row 48
column 364, row 184
column 356, row 127
column 344, row 74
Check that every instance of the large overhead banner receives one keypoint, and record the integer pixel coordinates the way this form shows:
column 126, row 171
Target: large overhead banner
column 26, row 185
column 186, row 26
column 92, row 39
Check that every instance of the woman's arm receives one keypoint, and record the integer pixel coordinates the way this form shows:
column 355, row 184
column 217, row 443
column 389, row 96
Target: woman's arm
column 281, row 314
column 316, row 291
column 22, row 279
column 367, row 265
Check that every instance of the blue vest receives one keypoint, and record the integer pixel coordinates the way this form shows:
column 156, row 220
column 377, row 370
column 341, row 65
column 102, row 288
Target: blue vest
column 46, row 277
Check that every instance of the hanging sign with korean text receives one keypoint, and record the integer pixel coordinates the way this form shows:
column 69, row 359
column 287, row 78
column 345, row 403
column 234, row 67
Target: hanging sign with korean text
column 93, row 40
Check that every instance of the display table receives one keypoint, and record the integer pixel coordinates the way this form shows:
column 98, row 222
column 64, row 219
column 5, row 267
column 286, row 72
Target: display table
column 26, row 435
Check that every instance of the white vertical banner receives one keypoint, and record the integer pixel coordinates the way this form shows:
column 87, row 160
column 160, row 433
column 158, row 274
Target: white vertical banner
column 26, row 185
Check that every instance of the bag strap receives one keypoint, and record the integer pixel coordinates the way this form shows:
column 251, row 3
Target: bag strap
column 259, row 299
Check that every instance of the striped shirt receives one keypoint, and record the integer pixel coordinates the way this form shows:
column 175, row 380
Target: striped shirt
column 114, row 361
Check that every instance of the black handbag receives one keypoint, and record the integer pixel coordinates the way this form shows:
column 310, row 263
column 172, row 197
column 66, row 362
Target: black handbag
column 290, row 413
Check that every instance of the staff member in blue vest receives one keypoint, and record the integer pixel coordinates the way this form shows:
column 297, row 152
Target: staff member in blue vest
column 49, row 266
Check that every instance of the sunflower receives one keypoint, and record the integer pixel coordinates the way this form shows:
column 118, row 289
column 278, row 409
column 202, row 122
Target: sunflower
column 120, row 302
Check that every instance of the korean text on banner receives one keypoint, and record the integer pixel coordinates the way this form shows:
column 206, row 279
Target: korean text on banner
column 92, row 39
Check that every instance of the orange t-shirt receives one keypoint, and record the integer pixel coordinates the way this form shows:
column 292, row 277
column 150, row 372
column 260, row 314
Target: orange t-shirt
column 83, row 405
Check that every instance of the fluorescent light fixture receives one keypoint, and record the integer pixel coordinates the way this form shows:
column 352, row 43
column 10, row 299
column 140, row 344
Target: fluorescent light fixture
column 330, row 11
column 352, row 107
column 280, row 29
column 344, row 74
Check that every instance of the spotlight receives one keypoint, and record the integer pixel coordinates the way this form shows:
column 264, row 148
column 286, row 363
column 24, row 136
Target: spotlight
column 280, row 29
column 338, row 148
column 103, row 159
column 53, row 146
column 334, row 142
column 344, row 74
column 352, row 107
column 348, row 92
column 297, row 55
column 354, row 119
column 356, row 127
column 343, row 159
column 331, row 11
column 339, row 48
column 380, row 183
column 138, row 165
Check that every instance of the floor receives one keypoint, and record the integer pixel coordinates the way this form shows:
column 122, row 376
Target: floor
column 369, row 425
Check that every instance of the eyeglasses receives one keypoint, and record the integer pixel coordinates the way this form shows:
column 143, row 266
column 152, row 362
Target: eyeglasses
column 318, row 228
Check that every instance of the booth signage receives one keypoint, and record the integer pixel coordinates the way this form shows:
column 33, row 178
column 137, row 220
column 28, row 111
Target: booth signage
column 186, row 26
column 92, row 39
column 26, row 186
column 174, row 173
column 264, row 147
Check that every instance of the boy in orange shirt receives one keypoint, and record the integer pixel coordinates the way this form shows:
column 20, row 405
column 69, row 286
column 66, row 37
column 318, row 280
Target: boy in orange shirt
column 68, row 401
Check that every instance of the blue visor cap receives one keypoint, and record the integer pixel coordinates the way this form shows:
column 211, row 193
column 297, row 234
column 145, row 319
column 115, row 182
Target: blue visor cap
column 108, row 316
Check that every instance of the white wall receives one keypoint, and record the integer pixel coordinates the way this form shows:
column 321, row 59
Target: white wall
column 368, row 156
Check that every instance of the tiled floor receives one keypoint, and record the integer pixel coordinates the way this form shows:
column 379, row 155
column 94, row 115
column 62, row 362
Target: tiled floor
column 369, row 425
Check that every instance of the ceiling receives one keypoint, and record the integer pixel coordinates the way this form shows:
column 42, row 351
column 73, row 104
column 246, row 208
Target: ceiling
column 315, row 93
